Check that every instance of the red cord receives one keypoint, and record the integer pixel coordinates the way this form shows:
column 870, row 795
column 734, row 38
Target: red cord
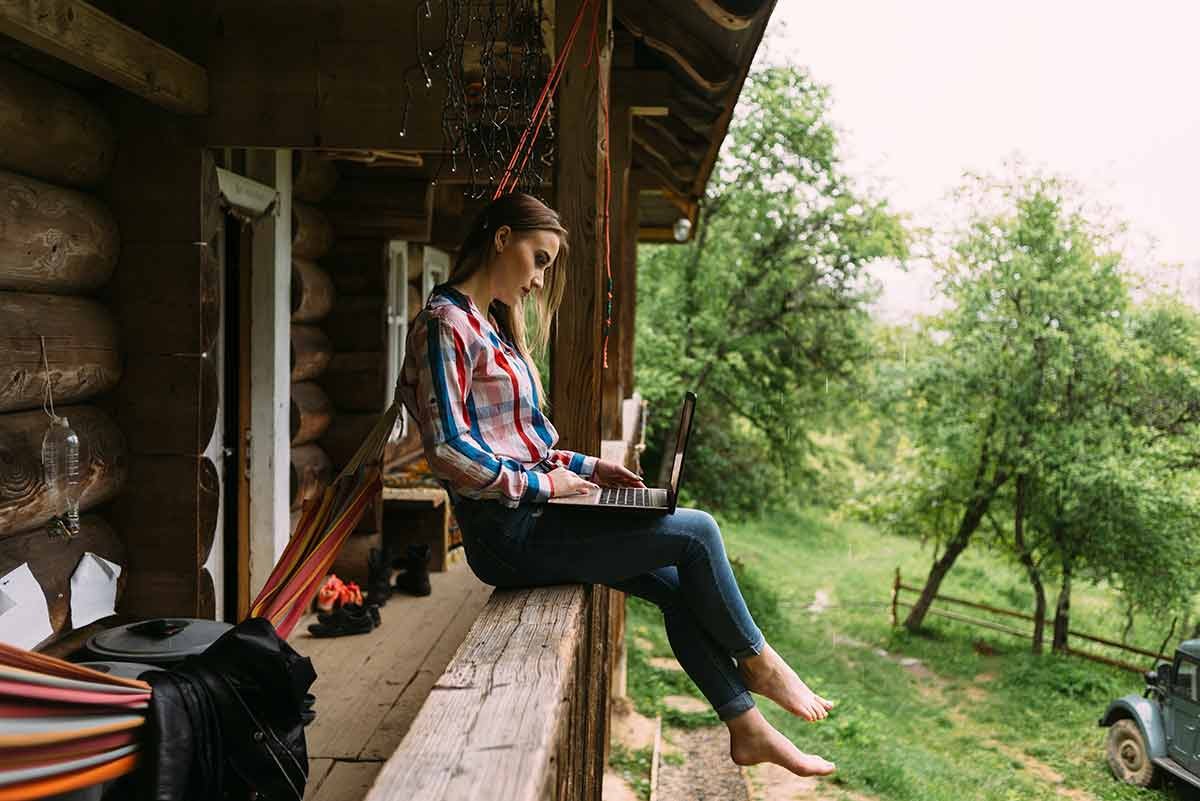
column 508, row 182
column 525, row 145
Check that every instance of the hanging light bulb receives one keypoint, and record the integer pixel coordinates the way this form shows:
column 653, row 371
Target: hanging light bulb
column 681, row 229
column 61, row 462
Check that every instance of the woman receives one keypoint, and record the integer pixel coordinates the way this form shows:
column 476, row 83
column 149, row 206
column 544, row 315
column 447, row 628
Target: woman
column 474, row 390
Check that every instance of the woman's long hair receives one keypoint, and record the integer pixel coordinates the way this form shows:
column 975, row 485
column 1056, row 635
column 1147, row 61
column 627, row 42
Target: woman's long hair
column 520, row 212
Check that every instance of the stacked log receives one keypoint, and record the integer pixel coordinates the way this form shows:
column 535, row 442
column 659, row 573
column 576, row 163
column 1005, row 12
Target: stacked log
column 54, row 239
column 310, row 474
column 80, row 341
column 313, row 176
column 312, row 292
column 313, row 296
column 312, row 236
column 311, row 413
column 58, row 246
column 368, row 216
column 25, row 502
column 311, row 352
column 358, row 267
column 51, row 132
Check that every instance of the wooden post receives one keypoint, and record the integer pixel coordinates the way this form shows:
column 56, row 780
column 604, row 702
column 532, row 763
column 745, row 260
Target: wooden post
column 270, row 387
column 575, row 349
column 575, row 358
column 627, row 319
column 624, row 284
column 895, row 598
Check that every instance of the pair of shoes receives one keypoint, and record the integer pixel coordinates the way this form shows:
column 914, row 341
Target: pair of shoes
column 414, row 570
column 335, row 593
column 347, row 619
column 379, row 587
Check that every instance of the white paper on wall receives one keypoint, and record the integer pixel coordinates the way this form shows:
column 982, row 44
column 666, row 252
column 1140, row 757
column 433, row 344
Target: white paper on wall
column 24, row 616
column 93, row 589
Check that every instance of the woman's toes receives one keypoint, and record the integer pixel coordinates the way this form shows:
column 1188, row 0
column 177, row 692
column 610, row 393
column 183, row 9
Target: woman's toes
column 812, row 765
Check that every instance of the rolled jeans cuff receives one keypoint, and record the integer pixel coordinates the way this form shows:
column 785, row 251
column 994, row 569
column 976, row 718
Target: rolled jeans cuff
column 753, row 650
column 742, row 702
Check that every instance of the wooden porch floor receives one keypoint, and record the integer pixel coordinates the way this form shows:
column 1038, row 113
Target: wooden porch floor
column 369, row 687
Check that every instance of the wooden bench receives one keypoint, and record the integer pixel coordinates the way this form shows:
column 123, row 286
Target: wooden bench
column 418, row 515
column 521, row 712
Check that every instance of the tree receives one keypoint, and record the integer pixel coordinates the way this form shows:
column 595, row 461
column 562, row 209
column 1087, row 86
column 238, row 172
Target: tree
column 765, row 308
column 1035, row 394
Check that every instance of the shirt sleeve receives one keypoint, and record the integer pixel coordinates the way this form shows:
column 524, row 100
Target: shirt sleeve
column 573, row 461
column 445, row 413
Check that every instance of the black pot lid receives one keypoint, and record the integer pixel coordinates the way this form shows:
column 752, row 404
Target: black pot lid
column 123, row 670
column 167, row 639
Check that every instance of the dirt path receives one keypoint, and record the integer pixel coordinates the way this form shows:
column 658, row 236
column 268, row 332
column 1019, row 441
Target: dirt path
column 705, row 773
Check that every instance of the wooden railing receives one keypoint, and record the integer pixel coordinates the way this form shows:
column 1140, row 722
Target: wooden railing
column 899, row 586
column 521, row 712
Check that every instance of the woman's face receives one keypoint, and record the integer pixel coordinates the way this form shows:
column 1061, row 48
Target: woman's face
column 521, row 261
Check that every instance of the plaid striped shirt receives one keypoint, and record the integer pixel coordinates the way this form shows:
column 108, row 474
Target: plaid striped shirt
column 473, row 397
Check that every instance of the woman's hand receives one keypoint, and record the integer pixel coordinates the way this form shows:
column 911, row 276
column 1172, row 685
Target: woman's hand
column 566, row 483
column 611, row 474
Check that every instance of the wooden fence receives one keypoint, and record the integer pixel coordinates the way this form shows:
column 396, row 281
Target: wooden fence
column 898, row 586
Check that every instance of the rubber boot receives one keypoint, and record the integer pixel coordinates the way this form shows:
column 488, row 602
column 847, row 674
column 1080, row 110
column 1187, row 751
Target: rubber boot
column 379, row 587
column 414, row 571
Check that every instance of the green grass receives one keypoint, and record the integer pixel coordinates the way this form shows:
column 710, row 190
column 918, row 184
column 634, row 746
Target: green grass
column 894, row 735
column 633, row 766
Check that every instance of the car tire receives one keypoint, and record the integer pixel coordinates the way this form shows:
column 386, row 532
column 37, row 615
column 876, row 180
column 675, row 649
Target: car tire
column 1128, row 758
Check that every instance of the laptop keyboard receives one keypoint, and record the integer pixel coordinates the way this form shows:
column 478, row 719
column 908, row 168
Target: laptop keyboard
column 624, row 496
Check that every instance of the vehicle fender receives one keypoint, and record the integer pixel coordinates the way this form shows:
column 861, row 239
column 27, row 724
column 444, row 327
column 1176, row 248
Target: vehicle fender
column 1147, row 715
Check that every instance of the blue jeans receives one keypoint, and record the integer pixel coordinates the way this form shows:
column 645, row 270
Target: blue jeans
column 676, row 561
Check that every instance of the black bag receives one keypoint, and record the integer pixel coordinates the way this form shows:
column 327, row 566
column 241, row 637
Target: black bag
column 229, row 723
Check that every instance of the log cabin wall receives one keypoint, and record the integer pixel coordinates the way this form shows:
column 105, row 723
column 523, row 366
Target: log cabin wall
column 313, row 297
column 365, row 214
column 59, row 247
column 166, row 295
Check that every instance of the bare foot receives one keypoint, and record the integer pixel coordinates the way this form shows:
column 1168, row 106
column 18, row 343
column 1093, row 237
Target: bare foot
column 753, row 740
column 767, row 674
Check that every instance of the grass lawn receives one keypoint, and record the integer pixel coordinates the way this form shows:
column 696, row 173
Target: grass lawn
column 977, row 718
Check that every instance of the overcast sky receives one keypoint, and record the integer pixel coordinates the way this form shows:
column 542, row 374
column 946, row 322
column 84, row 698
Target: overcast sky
column 1106, row 92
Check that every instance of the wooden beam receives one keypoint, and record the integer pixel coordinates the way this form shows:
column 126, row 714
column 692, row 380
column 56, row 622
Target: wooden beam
column 682, row 162
column 697, row 113
column 728, row 15
column 625, row 312
column 624, row 285
column 575, row 357
column 575, row 351
column 84, row 36
column 656, row 25
column 658, row 233
column 503, row 720
column 656, row 164
column 719, row 128
column 646, row 92
column 678, row 136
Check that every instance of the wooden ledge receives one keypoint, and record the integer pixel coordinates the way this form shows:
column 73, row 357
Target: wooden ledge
column 495, row 721
column 430, row 495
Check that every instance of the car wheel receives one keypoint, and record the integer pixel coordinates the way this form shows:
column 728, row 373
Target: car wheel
column 1127, row 755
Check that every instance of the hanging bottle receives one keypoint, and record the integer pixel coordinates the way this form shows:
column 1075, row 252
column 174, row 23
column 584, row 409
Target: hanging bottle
column 62, row 460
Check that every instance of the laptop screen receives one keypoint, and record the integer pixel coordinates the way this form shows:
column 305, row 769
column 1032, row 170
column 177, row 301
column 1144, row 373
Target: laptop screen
column 681, row 440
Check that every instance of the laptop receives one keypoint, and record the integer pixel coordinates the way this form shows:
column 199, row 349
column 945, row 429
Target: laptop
column 661, row 501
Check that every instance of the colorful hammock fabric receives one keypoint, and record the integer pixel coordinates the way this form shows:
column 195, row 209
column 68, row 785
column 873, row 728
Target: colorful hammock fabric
column 63, row 726
column 323, row 527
